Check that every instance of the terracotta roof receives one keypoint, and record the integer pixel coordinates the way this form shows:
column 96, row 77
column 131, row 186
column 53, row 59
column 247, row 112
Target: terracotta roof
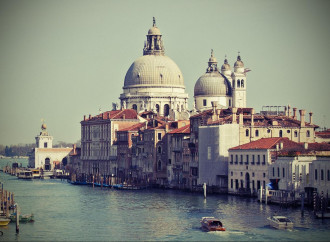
column 182, row 130
column 135, row 127
column 267, row 143
column 115, row 114
column 325, row 134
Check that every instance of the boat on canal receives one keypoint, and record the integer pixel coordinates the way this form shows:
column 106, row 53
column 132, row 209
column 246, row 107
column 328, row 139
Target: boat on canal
column 280, row 222
column 22, row 218
column 25, row 174
column 212, row 224
column 4, row 221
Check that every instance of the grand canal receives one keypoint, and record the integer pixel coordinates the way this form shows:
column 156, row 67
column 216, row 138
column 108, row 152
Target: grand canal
column 64, row 212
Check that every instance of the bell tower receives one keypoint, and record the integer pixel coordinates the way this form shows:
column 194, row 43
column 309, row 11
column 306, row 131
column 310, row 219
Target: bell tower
column 239, row 84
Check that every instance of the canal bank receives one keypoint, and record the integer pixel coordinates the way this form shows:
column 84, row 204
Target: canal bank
column 80, row 213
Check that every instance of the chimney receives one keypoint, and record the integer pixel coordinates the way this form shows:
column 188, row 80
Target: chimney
column 289, row 111
column 252, row 117
column 214, row 113
column 294, row 113
column 286, row 110
column 302, row 117
column 74, row 148
column 124, row 116
column 109, row 115
column 241, row 118
column 90, row 116
column 311, row 118
column 306, row 146
column 166, row 127
column 84, row 117
column 234, row 111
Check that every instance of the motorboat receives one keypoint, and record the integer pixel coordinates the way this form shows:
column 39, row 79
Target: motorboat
column 212, row 224
column 4, row 221
column 280, row 222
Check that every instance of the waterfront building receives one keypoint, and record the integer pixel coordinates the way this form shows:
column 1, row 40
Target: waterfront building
column 249, row 164
column 178, row 168
column 98, row 134
column 44, row 156
column 226, row 88
column 322, row 136
column 155, row 82
column 304, row 168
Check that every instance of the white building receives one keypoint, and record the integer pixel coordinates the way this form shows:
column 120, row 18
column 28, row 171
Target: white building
column 214, row 142
column 44, row 156
column 154, row 81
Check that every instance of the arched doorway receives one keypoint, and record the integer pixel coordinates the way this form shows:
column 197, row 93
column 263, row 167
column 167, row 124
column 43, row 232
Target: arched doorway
column 247, row 180
column 47, row 164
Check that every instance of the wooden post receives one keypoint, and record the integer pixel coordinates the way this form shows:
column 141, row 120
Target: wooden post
column 17, row 218
column 261, row 194
column 302, row 203
column 93, row 181
column 266, row 191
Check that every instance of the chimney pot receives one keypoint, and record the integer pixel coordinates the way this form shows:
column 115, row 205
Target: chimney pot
column 302, row 117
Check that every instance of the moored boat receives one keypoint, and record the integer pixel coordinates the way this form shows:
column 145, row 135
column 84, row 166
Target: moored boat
column 25, row 174
column 212, row 224
column 280, row 222
column 22, row 218
column 36, row 173
column 4, row 221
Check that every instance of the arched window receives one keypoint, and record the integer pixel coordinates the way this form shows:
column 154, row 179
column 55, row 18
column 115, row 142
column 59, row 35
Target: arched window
column 257, row 133
column 134, row 107
column 157, row 108
column 166, row 110
column 295, row 133
column 229, row 102
column 308, row 134
column 247, row 133
column 242, row 83
column 238, row 83
column 281, row 133
column 159, row 149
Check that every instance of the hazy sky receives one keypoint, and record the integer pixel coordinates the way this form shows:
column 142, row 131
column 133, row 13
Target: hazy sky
column 61, row 60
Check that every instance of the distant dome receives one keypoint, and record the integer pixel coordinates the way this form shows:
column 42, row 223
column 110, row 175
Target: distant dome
column 43, row 126
column 225, row 66
column 151, row 70
column 154, row 31
column 211, row 84
column 239, row 63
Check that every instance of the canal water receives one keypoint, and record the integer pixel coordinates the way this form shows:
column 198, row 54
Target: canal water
column 64, row 212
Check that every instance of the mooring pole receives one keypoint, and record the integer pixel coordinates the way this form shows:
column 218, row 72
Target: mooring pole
column 17, row 218
column 204, row 188
column 302, row 203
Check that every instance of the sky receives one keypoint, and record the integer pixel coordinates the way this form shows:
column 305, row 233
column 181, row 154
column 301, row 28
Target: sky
column 61, row 60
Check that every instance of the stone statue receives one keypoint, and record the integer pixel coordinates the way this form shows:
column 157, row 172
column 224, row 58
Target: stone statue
column 124, row 104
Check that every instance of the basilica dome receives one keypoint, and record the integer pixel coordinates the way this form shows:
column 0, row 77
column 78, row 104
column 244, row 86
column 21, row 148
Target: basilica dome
column 151, row 70
column 211, row 84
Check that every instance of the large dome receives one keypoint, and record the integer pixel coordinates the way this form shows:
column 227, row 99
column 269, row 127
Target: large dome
column 154, row 70
column 211, row 84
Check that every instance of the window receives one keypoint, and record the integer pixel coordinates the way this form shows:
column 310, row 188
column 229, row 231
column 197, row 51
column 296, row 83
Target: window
column 159, row 136
column 296, row 134
column 315, row 175
column 157, row 108
column 252, row 174
column 236, row 159
column 231, row 159
column 322, row 175
column 45, row 145
column 253, row 160
column 134, row 107
column 328, row 175
column 238, row 83
column 247, row 133
column 264, row 174
column 241, row 173
column 308, row 134
column 231, row 173
column 231, row 183
column 257, row 133
column 278, row 172
column 159, row 149
column 264, row 159
column 247, row 159
column 159, row 165
column 288, row 131
column 273, row 171
column 283, row 171
column 242, row 83
column 229, row 103
column 281, row 133
column 166, row 110
column 241, row 159
column 258, row 159
column 169, row 161
column 204, row 102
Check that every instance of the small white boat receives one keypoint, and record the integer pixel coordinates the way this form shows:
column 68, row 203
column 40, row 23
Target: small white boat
column 36, row 173
column 4, row 221
column 280, row 222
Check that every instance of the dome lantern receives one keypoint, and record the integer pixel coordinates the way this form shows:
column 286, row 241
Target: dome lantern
column 154, row 44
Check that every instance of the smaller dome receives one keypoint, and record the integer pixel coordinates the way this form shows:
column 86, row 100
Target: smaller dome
column 239, row 63
column 225, row 66
column 211, row 84
column 154, row 31
column 43, row 126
